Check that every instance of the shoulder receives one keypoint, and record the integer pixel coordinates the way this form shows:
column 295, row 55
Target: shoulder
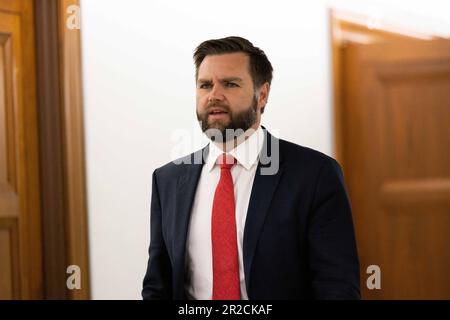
column 294, row 154
column 178, row 166
column 311, row 164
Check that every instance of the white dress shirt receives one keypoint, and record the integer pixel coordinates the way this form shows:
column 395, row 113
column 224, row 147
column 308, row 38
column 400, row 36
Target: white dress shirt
column 199, row 270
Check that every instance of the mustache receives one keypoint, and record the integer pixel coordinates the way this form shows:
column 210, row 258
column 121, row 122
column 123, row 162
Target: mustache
column 211, row 105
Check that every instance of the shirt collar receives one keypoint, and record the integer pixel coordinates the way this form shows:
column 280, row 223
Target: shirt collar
column 246, row 153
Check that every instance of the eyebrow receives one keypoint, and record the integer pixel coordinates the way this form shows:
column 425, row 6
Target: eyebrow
column 228, row 79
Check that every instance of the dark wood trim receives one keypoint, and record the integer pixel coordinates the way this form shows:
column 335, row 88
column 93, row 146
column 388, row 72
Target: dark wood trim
column 62, row 162
column 51, row 151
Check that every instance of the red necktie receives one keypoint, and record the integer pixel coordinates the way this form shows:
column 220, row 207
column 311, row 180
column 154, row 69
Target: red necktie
column 226, row 284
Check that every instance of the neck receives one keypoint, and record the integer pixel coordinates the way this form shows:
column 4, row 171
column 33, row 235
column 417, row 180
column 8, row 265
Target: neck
column 230, row 145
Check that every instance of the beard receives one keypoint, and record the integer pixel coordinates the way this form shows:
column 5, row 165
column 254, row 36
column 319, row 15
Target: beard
column 223, row 130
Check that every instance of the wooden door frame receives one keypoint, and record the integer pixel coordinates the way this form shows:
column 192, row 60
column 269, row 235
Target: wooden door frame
column 345, row 28
column 345, row 32
column 61, row 149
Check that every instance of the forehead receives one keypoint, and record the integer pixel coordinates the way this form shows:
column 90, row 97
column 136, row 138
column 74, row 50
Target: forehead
column 225, row 65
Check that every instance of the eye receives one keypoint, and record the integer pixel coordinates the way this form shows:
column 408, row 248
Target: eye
column 231, row 85
column 205, row 86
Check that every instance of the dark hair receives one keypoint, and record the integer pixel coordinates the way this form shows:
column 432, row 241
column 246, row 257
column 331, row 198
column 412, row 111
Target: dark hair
column 260, row 67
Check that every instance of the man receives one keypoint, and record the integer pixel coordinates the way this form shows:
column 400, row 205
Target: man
column 249, row 216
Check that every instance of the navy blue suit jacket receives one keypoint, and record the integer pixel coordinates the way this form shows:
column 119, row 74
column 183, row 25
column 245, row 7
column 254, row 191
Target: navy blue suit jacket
column 299, row 240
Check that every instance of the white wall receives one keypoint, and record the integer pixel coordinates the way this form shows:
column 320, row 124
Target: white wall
column 139, row 92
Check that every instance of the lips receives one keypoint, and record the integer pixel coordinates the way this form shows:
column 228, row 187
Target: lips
column 217, row 111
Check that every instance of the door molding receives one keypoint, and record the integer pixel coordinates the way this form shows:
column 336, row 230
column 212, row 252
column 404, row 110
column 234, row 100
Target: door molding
column 347, row 28
column 62, row 153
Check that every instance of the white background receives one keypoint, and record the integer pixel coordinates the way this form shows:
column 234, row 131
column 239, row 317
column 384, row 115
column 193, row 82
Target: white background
column 139, row 96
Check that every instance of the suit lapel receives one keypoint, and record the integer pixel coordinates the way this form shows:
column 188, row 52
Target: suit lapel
column 185, row 193
column 263, row 189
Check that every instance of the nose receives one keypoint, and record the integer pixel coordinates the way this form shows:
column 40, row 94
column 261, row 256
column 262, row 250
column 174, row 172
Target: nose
column 216, row 94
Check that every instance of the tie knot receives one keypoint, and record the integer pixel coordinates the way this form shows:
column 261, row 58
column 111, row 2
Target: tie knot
column 226, row 161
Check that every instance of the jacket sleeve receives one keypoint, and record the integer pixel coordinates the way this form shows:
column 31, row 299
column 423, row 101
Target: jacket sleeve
column 157, row 282
column 333, row 257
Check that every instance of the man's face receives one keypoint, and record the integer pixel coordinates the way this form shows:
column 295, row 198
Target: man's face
column 226, row 98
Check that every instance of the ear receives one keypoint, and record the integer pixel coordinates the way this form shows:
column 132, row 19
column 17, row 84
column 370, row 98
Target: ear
column 263, row 95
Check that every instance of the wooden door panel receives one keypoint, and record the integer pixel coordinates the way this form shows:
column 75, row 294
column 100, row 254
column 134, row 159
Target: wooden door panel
column 9, row 264
column 415, row 255
column 397, row 163
column 9, row 198
column 20, row 238
column 416, row 101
